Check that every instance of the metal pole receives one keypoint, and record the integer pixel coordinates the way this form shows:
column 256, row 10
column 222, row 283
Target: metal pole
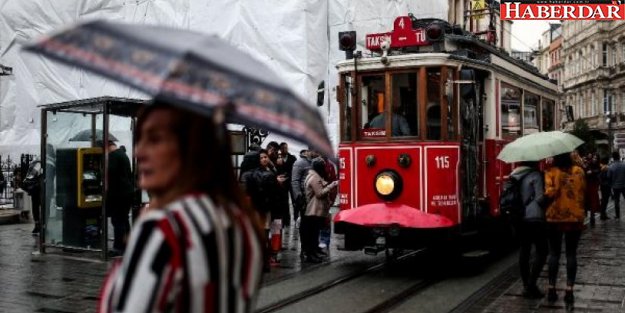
column 104, row 223
column 44, row 208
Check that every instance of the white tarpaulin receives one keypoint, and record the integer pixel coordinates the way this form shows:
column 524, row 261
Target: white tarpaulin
column 297, row 39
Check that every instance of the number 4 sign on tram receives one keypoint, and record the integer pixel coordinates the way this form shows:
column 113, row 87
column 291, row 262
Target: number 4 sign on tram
column 441, row 180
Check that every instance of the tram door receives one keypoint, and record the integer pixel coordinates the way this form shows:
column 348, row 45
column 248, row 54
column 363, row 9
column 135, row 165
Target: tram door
column 471, row 120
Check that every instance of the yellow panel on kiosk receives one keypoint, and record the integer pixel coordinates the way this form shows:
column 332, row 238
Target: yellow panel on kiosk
column 90, row 162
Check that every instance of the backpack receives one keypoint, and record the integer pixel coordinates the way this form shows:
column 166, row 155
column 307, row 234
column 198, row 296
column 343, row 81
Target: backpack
column 511, row 201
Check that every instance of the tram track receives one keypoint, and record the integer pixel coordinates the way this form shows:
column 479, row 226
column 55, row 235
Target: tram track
column 401, row 297
column 310, row 292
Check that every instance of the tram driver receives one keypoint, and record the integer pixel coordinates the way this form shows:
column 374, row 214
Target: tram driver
column 399, row 124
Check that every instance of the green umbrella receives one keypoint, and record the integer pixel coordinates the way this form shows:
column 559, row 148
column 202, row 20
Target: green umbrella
column 538, row 146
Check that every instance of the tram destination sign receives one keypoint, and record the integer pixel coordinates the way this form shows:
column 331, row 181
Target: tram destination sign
column 600, row 10
column 403, row 35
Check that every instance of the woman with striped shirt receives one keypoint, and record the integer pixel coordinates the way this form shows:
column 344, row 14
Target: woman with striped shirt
column 198, row 248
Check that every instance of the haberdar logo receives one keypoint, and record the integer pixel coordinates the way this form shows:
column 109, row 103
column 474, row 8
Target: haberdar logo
column 602, row 10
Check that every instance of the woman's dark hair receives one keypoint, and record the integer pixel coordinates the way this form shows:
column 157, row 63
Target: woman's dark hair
column 319, row 165
column 563, row 161
column 273, row 144
column 206, row 157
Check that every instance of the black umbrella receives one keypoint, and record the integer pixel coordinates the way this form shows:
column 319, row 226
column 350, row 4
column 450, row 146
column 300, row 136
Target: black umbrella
column 192, row 70
column 85, row 135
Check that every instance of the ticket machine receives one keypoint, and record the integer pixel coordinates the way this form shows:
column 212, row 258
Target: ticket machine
column 79, row 192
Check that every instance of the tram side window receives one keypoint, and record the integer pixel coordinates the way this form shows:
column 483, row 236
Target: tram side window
column 452, row 108
column 433, row 110
column 547, row 115
column 530, row 113
column 510, row 110
column 404, row 121
column 346, row 107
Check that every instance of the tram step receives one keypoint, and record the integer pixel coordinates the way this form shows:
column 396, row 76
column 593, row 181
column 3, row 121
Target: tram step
column 475, row 253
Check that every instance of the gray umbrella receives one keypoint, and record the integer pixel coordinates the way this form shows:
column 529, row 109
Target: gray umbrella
column 85, row 135
column 191, row 70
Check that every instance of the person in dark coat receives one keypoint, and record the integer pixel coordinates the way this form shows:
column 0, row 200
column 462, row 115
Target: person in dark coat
column 605, row 187
column 592, row 169
column 262, row 186
column 299, row 173
column 32, row 185
column 532, row 229
column 282, row 199
column 250, row 162
column 616, row 175
column 288, row 160
column 119, row 195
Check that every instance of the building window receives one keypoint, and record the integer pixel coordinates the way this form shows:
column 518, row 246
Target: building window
column 593, row 108
column 605, row 54
column 614, row 56
column 580, row 106
column 622, row 52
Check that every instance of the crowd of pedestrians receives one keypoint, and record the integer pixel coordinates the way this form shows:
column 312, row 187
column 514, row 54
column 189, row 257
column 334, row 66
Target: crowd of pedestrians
column 556, row 202
column 272, row 178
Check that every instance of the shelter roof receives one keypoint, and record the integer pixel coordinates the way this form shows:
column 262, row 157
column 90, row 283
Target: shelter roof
column 116, row 106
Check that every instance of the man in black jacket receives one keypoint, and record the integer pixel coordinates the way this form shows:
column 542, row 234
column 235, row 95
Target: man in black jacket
column 119, row 195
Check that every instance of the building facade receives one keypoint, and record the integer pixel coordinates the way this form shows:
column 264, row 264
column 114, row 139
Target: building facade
column 594, row 77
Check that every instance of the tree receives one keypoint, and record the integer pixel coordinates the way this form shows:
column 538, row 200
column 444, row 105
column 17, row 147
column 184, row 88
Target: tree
column 582, row 131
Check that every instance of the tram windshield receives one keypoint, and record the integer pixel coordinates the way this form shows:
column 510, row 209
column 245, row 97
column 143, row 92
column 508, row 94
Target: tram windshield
column 410, row 104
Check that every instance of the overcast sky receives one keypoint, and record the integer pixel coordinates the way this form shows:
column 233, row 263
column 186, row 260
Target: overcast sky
column 525, row 34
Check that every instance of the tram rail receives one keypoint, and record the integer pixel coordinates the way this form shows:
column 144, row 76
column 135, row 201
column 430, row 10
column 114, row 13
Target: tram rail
column 311, row 292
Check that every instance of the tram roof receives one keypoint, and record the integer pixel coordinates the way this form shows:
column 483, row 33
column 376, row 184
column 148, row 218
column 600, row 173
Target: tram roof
column 465, row 48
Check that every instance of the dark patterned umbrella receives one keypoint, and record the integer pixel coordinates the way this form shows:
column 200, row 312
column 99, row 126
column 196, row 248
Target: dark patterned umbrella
column 192, row 70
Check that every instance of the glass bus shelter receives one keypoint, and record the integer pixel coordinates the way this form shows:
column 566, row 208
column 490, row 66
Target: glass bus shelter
column 73, row 134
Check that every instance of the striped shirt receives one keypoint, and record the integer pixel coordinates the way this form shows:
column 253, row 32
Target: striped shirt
column 189, row 257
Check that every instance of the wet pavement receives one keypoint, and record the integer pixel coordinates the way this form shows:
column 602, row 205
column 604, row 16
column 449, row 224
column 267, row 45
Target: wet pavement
column 59, row 282
column 600, row 285
column 44, row 283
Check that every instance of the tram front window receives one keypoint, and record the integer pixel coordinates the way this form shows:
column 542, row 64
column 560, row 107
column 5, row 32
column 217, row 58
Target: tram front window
column 372, row 103
column 404, row 121
column 373, row 106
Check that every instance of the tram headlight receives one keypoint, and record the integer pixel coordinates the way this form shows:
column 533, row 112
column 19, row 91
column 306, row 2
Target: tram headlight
column 384, row 185
column 388, row 185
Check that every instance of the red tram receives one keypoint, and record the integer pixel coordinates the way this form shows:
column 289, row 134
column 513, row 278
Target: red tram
column 422, row 119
